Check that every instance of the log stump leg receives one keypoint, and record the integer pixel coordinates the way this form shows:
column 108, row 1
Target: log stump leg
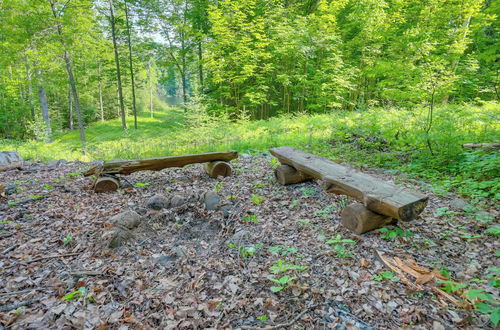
column 218, row 168
column 286, row 174
column 106, row 184
column 357, row 218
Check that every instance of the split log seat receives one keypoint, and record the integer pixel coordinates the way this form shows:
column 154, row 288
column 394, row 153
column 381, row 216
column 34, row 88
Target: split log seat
column 106, row 180
column 381, row 201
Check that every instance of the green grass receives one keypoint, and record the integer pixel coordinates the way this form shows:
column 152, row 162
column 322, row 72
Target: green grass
column 389, row 138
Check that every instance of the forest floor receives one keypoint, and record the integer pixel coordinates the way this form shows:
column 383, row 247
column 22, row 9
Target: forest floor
column 187, row 267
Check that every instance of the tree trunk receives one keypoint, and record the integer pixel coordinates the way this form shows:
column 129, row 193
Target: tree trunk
column 117, row 62
column 30, row 92
column 44, row 105
column 71, row 78
column 101, row 106
column 200, row 65
column 134, row 107
column 150, row 90
column 70, row 102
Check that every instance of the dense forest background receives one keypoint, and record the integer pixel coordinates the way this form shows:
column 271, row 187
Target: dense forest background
column 66, row 64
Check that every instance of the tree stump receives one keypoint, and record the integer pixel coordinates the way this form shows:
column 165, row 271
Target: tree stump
column 358, row 219
column 106, row 184
column 289, row 175
column 218, row 168
column 10, row 160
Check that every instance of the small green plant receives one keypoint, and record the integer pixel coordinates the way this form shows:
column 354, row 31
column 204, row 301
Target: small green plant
column 391, row 234
column 245, row 251
column 257, row 199
column 307, row 191
column 444, row 211
column 279, row 250
column 294, row 203
column 445, row 272
column 339, row 246
column 251, row 217
column 470, row 237
column 48, row 187
column 74, row 174
column 218, row 187
column 231, row 197
column 385, row 276
column 326, row 212
column 141, row 184
column 282, row 282
column 281, row 266
column 75, row 295
column 493, row 231
column 259, row 185
column 262, row 318
column 451, row 286
column 68, row 240
column 274, row 163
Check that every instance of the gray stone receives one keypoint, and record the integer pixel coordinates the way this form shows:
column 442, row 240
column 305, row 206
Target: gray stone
column 11, row 189
column 180, row 252
column 10, row 160
column 165, row 260
column 211, row 201
column 177, row 201
column 157, row 202
column 226, row 210
column 127, row 219
column 240, row 237
column 459, row 204
column 141, row 210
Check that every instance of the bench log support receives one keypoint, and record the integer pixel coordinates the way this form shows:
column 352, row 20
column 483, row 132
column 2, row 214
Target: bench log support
column 378, row 196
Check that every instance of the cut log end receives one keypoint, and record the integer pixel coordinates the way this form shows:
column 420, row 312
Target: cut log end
column 286, row 174
column 106, row 184
column 359, row 219
column 218, row 168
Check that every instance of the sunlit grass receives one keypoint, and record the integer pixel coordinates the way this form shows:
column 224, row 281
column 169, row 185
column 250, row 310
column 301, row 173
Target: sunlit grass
column 390, row 138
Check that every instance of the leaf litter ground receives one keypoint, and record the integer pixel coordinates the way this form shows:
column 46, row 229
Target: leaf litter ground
column 188, row 268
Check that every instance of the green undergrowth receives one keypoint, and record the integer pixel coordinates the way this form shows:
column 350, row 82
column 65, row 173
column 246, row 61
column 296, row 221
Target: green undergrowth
column 386, row 138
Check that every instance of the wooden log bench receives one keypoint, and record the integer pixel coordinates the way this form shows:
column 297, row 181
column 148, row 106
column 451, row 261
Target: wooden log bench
column 217, row 164
column 382, row 202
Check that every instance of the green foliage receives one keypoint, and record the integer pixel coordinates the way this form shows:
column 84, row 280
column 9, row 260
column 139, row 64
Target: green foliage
column 281, row 266
column 75, row 295
column 385, row 276
column 493, row 231
column 245, row 251
column 257, row 199
column 141, row 184
column 68, row 240
column 451, row 286
column 218, row 187
column 392, row 234
column 283, row 282
column 251, row 217
column 339, row 246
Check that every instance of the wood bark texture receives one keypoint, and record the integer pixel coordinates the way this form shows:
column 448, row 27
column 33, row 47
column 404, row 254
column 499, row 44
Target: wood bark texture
column 157, row 164
column 218, row 168
column 106, row 184
column 288, row 175
column 359, row 219
column 378, row 196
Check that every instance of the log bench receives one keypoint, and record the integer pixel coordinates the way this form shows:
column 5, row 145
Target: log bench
column 216, row 164
column 381, row 202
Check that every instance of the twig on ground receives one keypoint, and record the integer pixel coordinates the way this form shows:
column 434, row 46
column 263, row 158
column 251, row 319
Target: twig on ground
column 55, row 256
column 16, row 305
column 85, row 273
column 14, row 293
column 11, row 248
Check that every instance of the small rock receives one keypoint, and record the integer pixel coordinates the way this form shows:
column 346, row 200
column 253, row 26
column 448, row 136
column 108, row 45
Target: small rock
column 127, row 219
column 10, row 189
column 157, row 202
column 211, row 201
column 459, row 204
column 180, row 252
column 437, row 326
column 240, row 236
column 141, row 210
column 226, row 210
column 177, row 201
column 165, row 260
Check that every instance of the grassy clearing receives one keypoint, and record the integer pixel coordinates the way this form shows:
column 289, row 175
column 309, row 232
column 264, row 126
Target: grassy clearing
column 390, row 138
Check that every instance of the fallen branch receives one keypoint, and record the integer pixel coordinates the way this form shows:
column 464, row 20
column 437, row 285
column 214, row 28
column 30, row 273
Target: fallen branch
column 16, row 305
column 295, row 319
column 56, row 256
column 85, row 273
column 481, row 145
column 11, row 248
